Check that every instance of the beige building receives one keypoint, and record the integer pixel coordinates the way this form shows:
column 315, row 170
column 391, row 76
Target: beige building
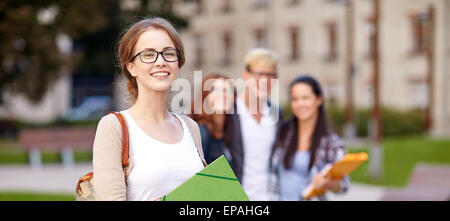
column 309, row 36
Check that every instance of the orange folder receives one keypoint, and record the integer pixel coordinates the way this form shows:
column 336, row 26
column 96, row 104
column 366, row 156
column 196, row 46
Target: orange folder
column 338, row 170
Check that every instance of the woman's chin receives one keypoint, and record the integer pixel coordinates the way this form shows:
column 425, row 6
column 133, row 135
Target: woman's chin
column 303, row 117
column 160, row 86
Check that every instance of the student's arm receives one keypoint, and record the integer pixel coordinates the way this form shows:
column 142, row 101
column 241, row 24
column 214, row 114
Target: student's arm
column 109, row 178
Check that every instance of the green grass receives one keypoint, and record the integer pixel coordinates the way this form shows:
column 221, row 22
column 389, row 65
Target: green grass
column 12, row 153
column 401, row 154
column 27, row 196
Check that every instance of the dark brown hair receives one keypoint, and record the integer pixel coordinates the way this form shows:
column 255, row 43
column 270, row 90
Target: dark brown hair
column 128, row 42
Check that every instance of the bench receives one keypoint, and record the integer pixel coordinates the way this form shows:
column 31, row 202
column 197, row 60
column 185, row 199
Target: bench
column 63, row 140
column 429, row 182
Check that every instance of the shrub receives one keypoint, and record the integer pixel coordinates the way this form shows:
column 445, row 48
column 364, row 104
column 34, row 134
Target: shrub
column 394, row 122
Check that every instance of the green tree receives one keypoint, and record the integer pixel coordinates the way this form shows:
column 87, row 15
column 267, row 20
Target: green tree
column 30, row 59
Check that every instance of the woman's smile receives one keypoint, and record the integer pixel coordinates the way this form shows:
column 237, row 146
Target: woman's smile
column 160, row 75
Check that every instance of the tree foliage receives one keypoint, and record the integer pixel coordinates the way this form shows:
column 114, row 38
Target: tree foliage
column 30, row 59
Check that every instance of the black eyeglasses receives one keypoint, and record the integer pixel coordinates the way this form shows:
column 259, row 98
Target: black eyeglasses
column 150, row 56
column 261, row 74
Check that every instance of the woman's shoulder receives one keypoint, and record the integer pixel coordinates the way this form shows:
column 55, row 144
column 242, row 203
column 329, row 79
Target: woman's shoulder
column 333, row 140
column 189, row 121
column 109, row 121
column 109, row 124
column 108, row 135
column 203, row 128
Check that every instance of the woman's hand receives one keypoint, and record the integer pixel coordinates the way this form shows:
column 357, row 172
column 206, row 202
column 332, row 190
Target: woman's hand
column 326, row 183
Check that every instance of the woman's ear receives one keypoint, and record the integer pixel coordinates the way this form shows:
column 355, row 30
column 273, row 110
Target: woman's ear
column 319, row 101
column 131, row 68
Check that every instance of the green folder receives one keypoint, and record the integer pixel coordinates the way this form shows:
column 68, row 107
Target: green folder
column 216, row 182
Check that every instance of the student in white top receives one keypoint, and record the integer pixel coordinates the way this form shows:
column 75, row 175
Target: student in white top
column 251, row 130
column 161, row 147
column 159, row 167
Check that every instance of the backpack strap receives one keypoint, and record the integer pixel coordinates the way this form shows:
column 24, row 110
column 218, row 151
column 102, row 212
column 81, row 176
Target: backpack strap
column 195, row 131
column 125, row 140
column 193, row 128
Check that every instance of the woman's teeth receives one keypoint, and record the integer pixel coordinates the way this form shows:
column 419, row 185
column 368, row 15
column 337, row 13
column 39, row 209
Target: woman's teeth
column 160, row 74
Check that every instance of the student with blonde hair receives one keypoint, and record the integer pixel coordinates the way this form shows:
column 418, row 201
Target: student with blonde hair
column 250, row 130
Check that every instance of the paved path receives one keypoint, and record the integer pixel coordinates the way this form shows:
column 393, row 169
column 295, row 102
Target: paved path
column 49, row 178
column 57, row 179
column 359, row 192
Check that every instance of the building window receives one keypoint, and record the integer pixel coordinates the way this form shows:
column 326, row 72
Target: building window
column 169, row 5
column 260, row 37
column 225, row 6
column 331, row 91
column 199, row 50
column 292, row 3
column 419, row 24
column 227, row 42
column 199, row 6
column 260, row 4
column 336, row 1
column 369, row 94
column 418, row 95
column 294, row 39
column 331, row 30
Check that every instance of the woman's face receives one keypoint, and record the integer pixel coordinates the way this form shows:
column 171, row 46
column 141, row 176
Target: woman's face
column 221, row 98
column 159, row 75
column 304, row 103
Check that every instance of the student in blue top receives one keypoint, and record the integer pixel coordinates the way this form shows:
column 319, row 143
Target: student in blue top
column 217, row 99
column 305, row 145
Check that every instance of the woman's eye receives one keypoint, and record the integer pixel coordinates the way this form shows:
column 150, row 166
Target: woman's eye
column 149, row 55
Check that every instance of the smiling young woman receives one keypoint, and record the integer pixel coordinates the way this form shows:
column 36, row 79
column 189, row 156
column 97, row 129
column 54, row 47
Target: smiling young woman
column 305, row 145
column 162, row 148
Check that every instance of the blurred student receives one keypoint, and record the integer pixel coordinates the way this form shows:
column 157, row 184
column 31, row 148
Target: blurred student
column 162, row 149
column 218, row 95
column 305, row 145
column 251, row 129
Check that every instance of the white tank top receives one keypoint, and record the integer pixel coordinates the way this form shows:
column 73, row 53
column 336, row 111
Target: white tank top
column 158, row 168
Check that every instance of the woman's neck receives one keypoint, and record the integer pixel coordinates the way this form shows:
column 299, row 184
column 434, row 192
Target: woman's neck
column 151, row 106
column 219, row 121
column 306, row 127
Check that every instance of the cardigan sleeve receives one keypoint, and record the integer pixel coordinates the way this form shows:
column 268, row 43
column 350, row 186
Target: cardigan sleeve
column 338, row 147
column 332, row 149
column 109, row 178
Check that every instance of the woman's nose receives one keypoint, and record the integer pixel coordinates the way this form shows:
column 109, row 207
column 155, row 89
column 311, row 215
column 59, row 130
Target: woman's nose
column 160, row 60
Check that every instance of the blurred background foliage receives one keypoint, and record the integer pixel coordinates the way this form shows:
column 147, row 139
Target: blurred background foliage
column 394, row 122
column 42, row 38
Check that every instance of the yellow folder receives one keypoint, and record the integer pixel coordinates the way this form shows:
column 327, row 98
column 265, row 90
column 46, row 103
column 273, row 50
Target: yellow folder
column 338, row 170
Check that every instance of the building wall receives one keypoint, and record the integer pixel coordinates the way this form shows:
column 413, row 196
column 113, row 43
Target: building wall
column 403, row 73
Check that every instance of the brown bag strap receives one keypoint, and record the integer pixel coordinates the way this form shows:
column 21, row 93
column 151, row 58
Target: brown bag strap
column 125, row 140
